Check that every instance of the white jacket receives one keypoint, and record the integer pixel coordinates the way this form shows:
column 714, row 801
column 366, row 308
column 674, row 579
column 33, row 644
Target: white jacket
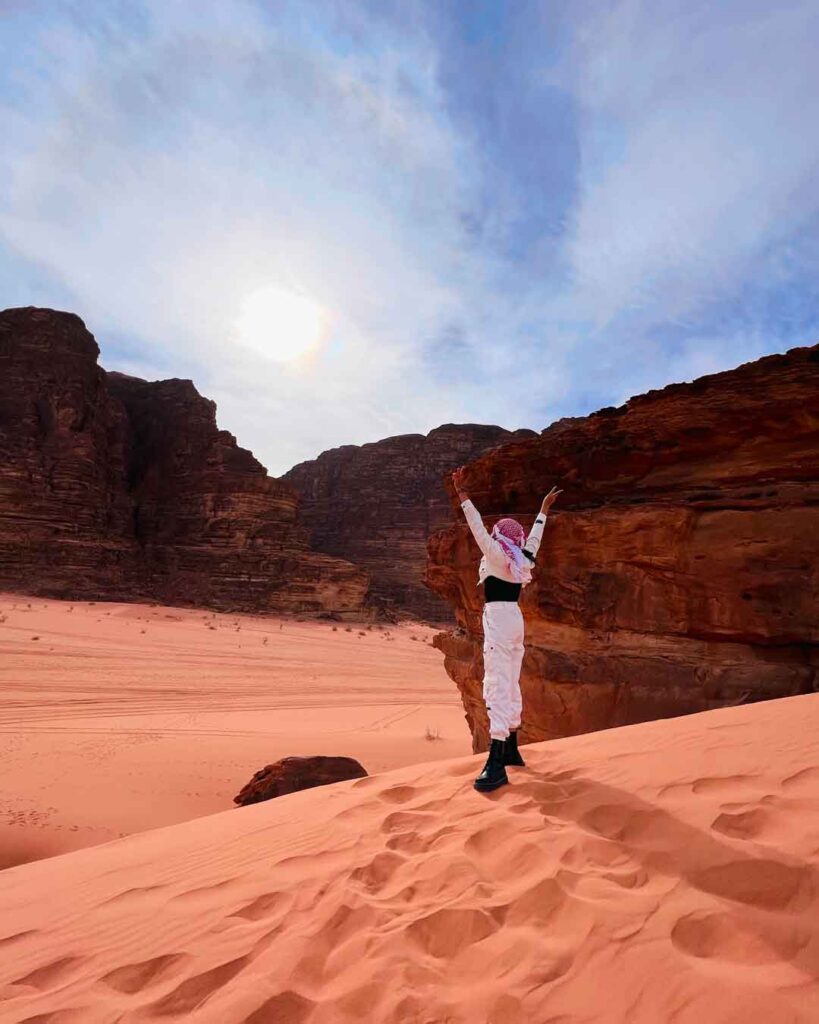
column 493, row 562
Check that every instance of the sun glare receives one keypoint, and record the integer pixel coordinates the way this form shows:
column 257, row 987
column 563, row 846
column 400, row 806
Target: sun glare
column 280, row 324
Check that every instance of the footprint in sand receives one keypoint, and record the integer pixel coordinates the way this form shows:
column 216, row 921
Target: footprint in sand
column 733, row 784
column 374, row 875
column 46, row 976
column 463, row 769
column 445, row 933
column 723, row 936
column 398, row 794
column 605, row 860
column 134, row 977
column 644, row 829
column 195, row 991
column 769, row 884
column 434, row 806
column 407, row 842
column 10, row 940
column 492, row 852
column 406, row 821
column 347, row 922
column 744, row 824
column 444, row 879
column 284, row 1006
column 539, row 906
column 724, row 784
column 266, row 905
column 366, row 783
column 807, row 780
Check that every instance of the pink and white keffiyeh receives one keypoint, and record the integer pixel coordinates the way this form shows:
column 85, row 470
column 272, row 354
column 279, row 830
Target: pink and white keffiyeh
column 511, row 536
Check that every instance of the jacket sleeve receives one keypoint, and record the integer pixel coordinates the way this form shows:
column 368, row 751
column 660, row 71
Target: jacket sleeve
column 479, row 531
column 532, row 545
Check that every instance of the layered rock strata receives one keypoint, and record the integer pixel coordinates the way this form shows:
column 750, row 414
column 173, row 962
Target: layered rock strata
column 377, row 504
column 114, row 487
column 680, row 569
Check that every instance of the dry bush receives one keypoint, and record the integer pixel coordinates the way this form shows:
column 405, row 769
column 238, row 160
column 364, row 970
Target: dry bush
column 432, row 735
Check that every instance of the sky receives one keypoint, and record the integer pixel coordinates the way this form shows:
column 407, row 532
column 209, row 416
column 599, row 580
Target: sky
column 495, row 212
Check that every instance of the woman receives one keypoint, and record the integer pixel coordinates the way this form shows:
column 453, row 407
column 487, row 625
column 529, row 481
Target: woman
column 508, row 555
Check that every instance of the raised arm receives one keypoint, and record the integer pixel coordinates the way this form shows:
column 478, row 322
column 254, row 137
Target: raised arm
column 479, row 531
column 473, row 516
column 532, row 545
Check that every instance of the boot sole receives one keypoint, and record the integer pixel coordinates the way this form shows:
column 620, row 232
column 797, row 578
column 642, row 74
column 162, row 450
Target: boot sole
column 488, row 787
column 514, row 764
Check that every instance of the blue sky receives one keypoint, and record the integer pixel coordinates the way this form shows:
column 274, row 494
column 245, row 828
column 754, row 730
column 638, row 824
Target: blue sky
column 510, row 212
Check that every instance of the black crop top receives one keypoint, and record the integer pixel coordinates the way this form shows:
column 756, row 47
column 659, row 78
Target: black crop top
column 500, row 590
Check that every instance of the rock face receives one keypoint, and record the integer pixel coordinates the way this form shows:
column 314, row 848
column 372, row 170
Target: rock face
column 377, row 504
column 680, row 569
column 113, row 487
column 294, row 773
column 65, row 517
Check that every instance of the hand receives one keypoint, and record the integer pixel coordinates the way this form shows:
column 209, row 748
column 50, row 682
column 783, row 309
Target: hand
column 458, row 483
column 549, row 500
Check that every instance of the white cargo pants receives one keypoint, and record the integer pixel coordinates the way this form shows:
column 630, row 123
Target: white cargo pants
column 502, row 658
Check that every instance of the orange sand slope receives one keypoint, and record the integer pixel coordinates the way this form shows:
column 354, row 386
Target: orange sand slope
column 666, row 872
column 115, row 718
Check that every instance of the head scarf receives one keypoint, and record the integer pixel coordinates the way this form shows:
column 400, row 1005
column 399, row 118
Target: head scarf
column 511, row 537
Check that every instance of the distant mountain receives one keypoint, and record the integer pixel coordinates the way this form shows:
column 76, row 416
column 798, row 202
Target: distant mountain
column 377, row 504
column 113, row 487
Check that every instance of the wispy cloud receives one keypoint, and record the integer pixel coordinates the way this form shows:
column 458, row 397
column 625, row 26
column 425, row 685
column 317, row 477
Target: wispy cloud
column 511, row 212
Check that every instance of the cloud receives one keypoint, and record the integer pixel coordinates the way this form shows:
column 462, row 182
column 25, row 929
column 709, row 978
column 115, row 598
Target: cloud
column 511, row 212
column 698, row 153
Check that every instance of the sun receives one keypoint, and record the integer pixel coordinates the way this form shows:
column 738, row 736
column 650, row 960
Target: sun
column 280, row 324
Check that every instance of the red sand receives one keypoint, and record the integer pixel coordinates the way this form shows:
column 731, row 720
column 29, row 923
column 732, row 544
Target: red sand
column 666, row 872
column 120, row 718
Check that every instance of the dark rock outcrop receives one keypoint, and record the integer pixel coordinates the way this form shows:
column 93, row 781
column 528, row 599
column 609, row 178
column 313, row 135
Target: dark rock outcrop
column 114, row 487
column 680, row 569
column 294, row 773
column 377, row 504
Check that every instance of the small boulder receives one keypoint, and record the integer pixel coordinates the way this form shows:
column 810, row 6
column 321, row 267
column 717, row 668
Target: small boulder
column 294, row 773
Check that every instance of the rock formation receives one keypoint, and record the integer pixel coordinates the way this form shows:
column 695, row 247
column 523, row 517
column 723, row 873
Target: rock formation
column 680, row 569
column 377, row 504
column 113, row 487
column 293, row 773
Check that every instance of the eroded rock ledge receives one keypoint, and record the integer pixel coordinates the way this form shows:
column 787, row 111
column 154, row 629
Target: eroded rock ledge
column 680, row 571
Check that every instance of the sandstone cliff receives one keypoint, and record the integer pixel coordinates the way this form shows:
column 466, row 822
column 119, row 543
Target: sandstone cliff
column 114, row 487
column 377, row 504
column 680, row 570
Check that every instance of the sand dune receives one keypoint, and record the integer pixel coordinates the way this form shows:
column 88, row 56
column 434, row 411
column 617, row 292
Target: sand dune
column 116, row 718
column 665, row 872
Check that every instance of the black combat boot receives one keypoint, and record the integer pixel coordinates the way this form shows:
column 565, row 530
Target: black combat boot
column 511, row 754
column 493, row 774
